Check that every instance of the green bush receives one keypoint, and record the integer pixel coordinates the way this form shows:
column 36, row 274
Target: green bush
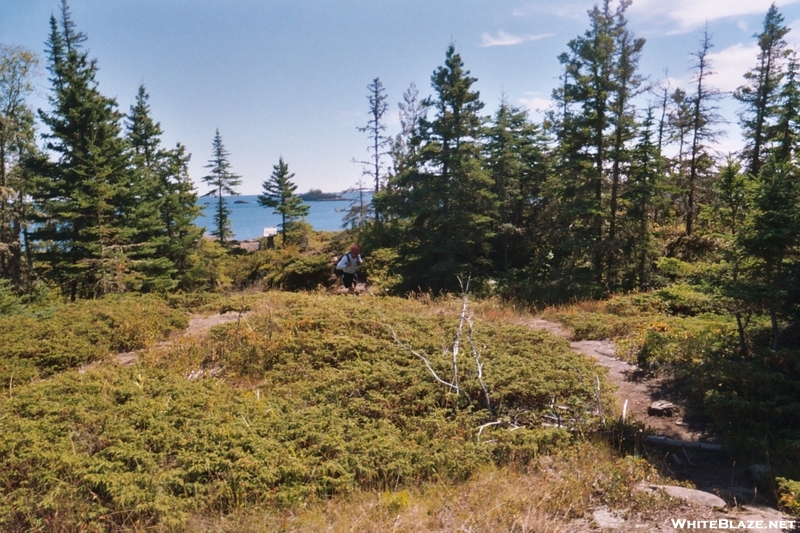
column 329, row 403
column 687, row 300
column 789, row 496
column 69, row 335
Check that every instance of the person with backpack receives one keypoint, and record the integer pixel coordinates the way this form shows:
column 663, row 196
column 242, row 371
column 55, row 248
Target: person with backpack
column 348, row 264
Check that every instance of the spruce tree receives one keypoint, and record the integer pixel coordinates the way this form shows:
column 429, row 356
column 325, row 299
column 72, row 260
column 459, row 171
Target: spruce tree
column 86, row 185
column 771, row 234
column 222, row 182
column 643, row 197
column 279, row 193
column 379, row 142
column 704, row 118
column 786, row 132
column 445, row 194
column 517, row 160
column 164, row 211
column 759, row 95
column 626, row 86
column 594, row 126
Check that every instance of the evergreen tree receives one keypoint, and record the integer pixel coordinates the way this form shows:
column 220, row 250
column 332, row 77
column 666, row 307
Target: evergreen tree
column 759, row 94
column 167, row 203
column 517, row 160
column 787, row 128
column 17, row 141
column 703, row 119
column 379, row 142
column 643, row 197
column 626, row 85
column 222, row 181
column 732, row 193
column 279, row 194
column 771, row 234
column 445, row 195
column 596, row 123
column 86, row 186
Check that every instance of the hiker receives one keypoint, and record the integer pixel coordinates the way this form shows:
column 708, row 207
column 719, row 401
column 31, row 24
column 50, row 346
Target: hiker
column 348, row 265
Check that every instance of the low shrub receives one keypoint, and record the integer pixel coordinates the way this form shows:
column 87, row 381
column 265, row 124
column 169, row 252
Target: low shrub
column 688, row 300
column 789, row 496
column 38, row 344
column 317, row 398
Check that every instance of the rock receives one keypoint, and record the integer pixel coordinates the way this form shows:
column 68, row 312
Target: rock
column 661, row 408
column 697, row 497
column 606, row 519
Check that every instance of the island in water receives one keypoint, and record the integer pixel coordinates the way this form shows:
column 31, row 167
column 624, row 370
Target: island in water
column 316, row 195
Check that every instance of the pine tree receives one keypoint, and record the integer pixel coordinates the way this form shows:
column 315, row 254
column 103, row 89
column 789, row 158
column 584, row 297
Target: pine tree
column 759, row 94
column 87, row 185
column 517, row 160
column 165, row 208
column 17, row 142
column 445, row 195
column 222, row 181
column 279, row 194
column 643, row 197
column 379, row 142
column 703, row 119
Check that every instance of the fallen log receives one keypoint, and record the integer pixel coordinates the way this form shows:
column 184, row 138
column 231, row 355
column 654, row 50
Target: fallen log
column 665, row 441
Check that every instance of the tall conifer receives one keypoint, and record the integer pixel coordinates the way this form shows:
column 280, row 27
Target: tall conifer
column 446, row 195
column 222, row 182
column 279, row 194
column 86, row 186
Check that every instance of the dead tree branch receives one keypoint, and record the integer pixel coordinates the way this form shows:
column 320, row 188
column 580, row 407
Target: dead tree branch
column 424, row 360
column 477, row 356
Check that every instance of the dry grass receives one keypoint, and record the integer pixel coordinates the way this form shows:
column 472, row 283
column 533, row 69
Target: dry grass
column 556, row 493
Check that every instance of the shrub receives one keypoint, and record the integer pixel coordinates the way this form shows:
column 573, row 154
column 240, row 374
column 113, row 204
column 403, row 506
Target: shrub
column 69, row 335
column 687, row 300
column 789, row 496
column 329, row 403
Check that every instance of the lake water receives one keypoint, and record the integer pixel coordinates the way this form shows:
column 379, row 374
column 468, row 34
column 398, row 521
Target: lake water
column 249, row 219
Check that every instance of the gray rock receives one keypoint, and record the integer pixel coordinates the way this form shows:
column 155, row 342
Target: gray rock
column 697, row 497
column 606, row 519
column 661, row 408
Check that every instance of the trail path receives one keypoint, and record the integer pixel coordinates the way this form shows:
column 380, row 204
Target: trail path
column 711, row 472
column 198, row 325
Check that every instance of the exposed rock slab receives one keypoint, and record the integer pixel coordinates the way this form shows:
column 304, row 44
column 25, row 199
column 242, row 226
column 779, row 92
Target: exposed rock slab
column 696, row 497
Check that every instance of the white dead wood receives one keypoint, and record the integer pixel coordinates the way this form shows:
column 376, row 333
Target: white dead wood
column 479, row 365
column 423, row 358
column 597, row 399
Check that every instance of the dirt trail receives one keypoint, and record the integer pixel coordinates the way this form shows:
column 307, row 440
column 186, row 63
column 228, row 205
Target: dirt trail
column 710, row 471
column 198, row 325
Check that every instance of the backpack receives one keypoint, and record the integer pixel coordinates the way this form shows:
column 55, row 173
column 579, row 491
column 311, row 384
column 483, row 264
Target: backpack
column 336, row 270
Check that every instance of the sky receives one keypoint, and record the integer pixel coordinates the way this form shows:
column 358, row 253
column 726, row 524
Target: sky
column 288, row 78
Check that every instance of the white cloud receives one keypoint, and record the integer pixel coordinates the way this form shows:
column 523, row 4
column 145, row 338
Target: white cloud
column 692, row 14
column 731, row 64
column 536, row 104
column 506, row 39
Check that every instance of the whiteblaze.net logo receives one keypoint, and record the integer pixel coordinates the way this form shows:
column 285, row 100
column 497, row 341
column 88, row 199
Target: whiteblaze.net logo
column 724, row 523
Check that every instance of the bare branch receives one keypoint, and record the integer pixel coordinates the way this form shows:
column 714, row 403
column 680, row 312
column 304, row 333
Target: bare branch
column 423, row 358
column 477, row 356
column 496, row 422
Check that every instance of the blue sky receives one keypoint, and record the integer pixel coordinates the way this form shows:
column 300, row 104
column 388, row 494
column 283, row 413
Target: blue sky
column 288, row 77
